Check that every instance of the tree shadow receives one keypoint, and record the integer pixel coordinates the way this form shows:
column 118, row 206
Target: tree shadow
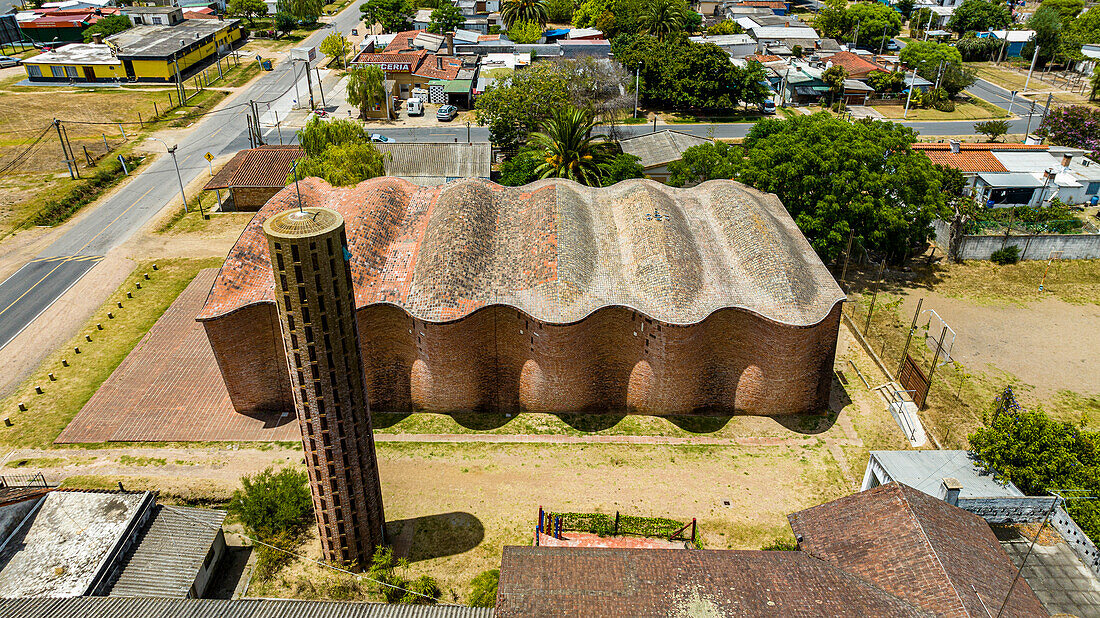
column 435, row 536
column 591, row 423
column 700, row 423
column 925, row 270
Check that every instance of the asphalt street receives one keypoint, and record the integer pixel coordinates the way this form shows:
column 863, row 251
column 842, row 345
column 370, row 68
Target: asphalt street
column 39, row 283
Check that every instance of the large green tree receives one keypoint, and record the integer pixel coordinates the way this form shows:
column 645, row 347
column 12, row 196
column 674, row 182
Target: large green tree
column 512, row 11
column 247, row 8
column 1067, row 9
column 305, row 11
column 568, row 147
column 392, row 15
column 339, row 151
column 515, row 107
column 834, row 77
column 979, row 15
column 837, row 177
column 1039, row 454
column 1086, row 27
column 682, row 74
column 926, row 56
column 525, row 32
column 106, row 26
column 446, row 18
column 1047, row 24
column 366, row 88
column 336, row 46
column 877, row 24
column 710, row 161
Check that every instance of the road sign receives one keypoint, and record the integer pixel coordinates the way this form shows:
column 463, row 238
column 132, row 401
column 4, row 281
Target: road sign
column 209, row 157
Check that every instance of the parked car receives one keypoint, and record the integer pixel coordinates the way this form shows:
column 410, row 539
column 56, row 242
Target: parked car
column 375, row 137
column 892, row 45
column 8, row 61
column 768, row 106
column 447, row 112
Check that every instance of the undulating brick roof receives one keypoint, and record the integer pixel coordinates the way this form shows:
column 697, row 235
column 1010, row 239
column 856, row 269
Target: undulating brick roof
column 917, row 547
column 554, row 249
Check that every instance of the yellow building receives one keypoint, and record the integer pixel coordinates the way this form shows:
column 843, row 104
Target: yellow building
column 142, row 53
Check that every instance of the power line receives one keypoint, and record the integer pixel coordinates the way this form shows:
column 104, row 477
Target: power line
column 19, row 158
column 307, row 558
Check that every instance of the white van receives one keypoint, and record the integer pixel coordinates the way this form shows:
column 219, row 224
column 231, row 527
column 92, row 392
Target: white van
column 414, row 107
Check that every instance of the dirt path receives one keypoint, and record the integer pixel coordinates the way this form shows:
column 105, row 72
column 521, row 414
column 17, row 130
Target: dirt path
column 1049, row 344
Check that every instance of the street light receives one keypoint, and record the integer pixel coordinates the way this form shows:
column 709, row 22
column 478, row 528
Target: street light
column 179, row 177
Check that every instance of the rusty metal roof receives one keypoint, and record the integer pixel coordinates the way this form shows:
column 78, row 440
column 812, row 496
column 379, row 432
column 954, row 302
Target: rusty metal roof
column 266, row 166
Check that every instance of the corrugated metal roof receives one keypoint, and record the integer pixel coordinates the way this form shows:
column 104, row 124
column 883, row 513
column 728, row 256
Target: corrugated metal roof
column 116, row 607
column 170, row 553
column 925, row 470
column 449, row 160
column 661, row 147
column 1011, row 180
column 266, row 166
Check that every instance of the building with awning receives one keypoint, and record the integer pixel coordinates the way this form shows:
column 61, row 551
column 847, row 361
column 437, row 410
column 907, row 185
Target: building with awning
column 1008, row 189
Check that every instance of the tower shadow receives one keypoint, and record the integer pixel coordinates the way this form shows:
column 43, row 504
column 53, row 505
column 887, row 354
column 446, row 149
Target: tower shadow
column 435, row 536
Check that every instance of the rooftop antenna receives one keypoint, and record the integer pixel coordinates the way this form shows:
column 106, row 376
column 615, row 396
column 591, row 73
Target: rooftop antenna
column 294, row 169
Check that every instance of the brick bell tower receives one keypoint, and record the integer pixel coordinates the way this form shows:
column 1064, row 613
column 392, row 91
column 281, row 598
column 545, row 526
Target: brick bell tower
column 316, row 304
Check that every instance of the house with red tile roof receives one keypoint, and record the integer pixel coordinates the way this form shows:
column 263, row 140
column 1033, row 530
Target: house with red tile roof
column 417, row 59
column 857, row 66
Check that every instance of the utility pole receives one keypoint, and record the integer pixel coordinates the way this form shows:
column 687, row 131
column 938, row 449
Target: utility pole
column 855, row 36
column 319, row 88
column 72, row 153
column 1011, row 100
column 1034, row 57
column 1001, row 54
column 1030, row 115
column 175, row 162
column 64, row 151
column 1046, row 110
column 297, row 95
column 309, row 84
column 939, row 74
column 912, row 85
column 637, row 69
column 882, row 41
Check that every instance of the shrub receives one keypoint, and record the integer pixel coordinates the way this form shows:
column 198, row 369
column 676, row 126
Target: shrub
column 82, row 192
column 1008, row 255
column 397, row 588
column 781, row 544
column 483, row 589
column 273, row 505
column 270, row 560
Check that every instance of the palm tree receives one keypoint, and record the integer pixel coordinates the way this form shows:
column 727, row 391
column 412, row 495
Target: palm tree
column 366, row 89
column 663, row 17
column 569, row 149
column 512, row 11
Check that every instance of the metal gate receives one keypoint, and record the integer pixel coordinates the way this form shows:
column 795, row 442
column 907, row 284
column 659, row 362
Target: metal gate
column 913, row 380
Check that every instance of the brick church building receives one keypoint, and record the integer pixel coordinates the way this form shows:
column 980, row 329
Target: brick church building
column 552, row 297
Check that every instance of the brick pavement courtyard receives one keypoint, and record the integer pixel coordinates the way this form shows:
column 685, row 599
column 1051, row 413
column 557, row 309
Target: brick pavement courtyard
column 169, row 389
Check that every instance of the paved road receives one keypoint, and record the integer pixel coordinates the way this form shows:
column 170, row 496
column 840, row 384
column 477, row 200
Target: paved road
column 39, row 283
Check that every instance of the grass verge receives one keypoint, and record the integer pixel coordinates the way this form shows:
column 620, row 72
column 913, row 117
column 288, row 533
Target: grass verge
column 963, row 111
column 1074, row 281
column 48, row 413
column 192, row 221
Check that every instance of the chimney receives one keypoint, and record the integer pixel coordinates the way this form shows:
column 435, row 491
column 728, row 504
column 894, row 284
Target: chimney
column 1066, row 158
column 450, row 43
column 955, row 146
column 221, row 17
column 97, row 38
column 949, row 490
column 1049, row 174
column 439, row 63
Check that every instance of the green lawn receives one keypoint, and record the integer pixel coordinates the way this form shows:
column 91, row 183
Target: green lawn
column 977, row 110
column 48, row 413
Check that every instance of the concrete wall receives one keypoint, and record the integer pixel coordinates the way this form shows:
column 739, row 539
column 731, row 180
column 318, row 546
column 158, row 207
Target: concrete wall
column 209, row 565
column 1035, row 247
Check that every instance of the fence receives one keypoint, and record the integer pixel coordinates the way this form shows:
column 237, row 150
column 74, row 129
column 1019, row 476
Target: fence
column 1031, row 246
column 23, row 480
column 620, row 525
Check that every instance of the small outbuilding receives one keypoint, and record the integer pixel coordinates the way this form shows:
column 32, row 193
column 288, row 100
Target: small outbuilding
column 252, row 176
column 657, row 150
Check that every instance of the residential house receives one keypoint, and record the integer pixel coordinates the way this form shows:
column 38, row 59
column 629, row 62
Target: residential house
column 253, row 176
column 422, row 19
column 1064, row 574
column 1012, row 41
column 143, row 53
column 60, row 25
column 1003, row 175
column 736, row 45
column 888, row 551
column 856, row 66
column 69, row 543
column 657, row 150
column 416, row 60
column 857, row 92
column 427, row 164
column 154, row 15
